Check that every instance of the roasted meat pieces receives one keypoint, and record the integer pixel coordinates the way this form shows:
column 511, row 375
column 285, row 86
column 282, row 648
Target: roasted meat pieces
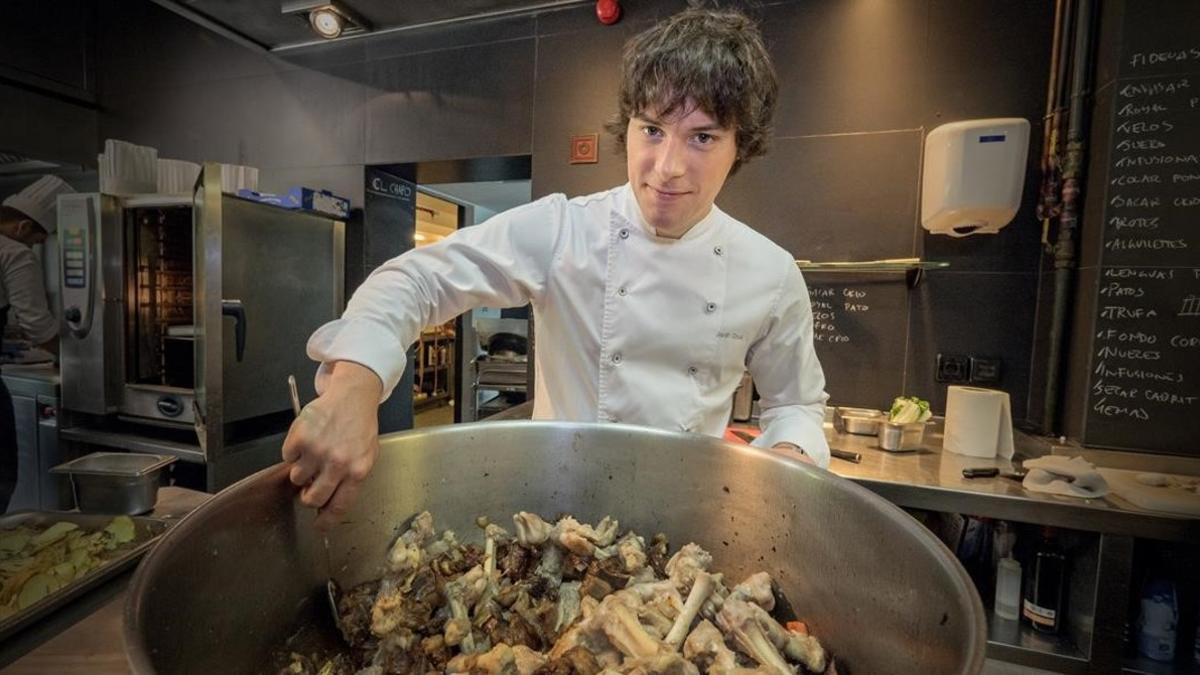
column 561, row 598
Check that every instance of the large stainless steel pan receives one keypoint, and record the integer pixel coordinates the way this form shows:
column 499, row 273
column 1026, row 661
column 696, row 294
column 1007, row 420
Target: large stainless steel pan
column 236, row 577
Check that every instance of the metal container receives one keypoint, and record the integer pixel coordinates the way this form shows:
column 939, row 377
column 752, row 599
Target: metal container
column 861, row 421
column 898, row 437
column 247, row 569
column 146, row 530
column 115, row 482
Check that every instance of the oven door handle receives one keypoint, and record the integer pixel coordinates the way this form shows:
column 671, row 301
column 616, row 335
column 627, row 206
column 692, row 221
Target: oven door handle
column 235, row 309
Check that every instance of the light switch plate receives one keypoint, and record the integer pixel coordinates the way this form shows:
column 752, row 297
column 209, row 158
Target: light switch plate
column 985, row 370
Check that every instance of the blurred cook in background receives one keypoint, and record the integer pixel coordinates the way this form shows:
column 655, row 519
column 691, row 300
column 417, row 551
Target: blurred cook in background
column 26, row 218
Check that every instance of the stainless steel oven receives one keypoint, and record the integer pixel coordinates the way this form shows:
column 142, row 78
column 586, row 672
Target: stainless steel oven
column 182, row 318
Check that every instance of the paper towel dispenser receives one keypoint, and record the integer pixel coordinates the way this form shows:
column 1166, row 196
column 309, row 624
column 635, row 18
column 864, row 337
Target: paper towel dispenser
column 974, row 175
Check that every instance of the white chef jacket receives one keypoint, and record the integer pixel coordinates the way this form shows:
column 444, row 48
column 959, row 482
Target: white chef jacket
column 22, row 291
column 630, row 327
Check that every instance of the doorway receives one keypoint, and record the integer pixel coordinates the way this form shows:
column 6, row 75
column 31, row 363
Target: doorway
column 494, row 358
column 442, row 382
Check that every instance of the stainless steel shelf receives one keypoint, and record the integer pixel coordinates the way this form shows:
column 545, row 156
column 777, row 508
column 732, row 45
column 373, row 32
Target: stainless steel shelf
column 913, row 268
column 1014, row 642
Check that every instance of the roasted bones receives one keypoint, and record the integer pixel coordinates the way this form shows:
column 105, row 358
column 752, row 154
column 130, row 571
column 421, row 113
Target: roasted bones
column 559, row 599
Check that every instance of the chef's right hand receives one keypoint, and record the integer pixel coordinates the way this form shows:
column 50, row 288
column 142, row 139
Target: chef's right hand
column 334, row 442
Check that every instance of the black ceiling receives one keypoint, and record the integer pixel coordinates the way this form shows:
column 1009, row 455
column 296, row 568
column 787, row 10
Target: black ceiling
column 263, row 21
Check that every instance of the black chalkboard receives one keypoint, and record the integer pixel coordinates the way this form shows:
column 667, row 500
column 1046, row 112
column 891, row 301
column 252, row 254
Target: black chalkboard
column 1145, row 369
column 856, row 322
column 1153, row 188
column 1144, row 377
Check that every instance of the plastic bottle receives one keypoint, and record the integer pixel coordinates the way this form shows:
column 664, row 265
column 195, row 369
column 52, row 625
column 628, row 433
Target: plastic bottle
column 1045, row 589
column 1158, row 621
column 1008, row 589
column 1003, row 541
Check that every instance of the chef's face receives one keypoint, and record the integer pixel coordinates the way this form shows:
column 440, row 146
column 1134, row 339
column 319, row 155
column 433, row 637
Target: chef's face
column 23, row 230
column 677, row 164
column 30, row 233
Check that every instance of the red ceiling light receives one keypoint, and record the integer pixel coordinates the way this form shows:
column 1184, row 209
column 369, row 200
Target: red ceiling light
column 608, row 11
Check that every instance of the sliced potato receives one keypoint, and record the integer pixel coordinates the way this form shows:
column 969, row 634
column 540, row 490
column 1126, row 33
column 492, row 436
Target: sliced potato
column 52, row 534
column 37, row 561
column 122, row 530
column 38, row 587
column 12, row 541
column 65, row 571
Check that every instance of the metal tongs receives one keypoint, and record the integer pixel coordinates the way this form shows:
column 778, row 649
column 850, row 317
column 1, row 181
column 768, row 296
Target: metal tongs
column 332, row 591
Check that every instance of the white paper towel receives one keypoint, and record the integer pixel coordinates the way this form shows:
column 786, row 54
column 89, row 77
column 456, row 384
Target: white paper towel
column 1067, row 476
column 978, row 422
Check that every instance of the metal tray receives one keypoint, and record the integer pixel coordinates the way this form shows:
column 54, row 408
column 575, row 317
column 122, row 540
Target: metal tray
column 860, row 421
column 146, row 533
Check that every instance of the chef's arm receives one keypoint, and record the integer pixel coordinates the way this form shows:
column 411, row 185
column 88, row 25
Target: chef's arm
column 788, row 377
column 500, row 263
column 27, row 300
column 334, row 442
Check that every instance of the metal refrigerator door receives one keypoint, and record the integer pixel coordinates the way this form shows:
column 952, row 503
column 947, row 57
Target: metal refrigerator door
column 279, row 273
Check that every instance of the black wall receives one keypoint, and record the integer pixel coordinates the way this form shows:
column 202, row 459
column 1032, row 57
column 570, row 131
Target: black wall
column 47, row 81
column 862, row 82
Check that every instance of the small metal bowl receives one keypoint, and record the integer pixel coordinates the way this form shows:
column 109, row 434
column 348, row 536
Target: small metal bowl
column 901, row 437
column 115, row 482
column 860, row 421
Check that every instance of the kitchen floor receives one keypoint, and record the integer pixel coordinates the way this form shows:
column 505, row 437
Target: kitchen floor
column 433, row 417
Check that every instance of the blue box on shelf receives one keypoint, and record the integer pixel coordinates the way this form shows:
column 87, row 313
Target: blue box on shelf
column 307, row 199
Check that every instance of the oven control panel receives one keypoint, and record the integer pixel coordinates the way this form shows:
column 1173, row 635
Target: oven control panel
column 77, row 233
column 74, row 252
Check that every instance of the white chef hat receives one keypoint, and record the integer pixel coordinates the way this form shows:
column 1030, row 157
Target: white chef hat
column 39, row 201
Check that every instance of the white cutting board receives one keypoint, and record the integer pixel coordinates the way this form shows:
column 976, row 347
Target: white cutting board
column 1171, row 499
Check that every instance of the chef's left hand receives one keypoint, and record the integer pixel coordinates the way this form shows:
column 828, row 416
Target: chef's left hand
column 803, row 456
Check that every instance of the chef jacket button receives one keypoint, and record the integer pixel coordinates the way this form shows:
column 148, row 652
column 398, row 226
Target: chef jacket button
column 621, row 291
column 616, row 358
column 718, row 250
column 692, row 370
column 624, row 233
column 710, row 307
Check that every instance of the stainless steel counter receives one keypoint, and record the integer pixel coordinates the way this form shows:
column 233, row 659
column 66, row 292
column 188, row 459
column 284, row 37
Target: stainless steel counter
column 34, row 375
column 932, row 479
column 35, row 389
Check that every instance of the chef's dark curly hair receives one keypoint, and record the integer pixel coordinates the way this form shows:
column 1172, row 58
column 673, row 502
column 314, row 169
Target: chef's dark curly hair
column 715, row 58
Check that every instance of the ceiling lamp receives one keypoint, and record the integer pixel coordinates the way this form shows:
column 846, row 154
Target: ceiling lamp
column 327, row 19
column 326, row 22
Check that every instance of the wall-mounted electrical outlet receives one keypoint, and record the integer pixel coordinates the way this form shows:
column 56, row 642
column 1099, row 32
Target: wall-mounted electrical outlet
column 985, row 370
column 953, row 368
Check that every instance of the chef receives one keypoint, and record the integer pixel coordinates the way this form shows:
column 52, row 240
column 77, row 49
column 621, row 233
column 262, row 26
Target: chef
column 26, row 218
column 649, row 301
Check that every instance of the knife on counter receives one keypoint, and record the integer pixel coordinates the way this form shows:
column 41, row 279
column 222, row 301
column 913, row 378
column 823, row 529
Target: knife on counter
column 992, row 472
column 852, row 457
